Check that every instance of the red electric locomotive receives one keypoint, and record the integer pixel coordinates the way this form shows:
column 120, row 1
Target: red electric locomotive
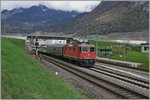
column 82, row 53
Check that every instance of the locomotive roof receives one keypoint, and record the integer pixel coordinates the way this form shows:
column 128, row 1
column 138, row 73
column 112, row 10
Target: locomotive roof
column 86, row 45
column 81, row 45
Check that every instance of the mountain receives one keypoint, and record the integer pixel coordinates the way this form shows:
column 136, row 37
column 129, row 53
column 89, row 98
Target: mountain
column 30, row 18
column 111, row 16
column 107, row 17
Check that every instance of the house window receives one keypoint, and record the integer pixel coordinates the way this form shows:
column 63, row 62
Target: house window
column 146, row 48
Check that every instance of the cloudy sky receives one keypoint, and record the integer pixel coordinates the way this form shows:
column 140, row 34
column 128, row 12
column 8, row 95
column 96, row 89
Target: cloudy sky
column 80, row 6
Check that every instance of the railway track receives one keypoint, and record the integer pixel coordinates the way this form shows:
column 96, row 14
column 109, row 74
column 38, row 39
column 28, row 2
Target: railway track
column 120, row 86
column 142, row 82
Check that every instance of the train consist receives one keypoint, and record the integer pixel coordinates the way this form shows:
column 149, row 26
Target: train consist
column 62, row 47
column 81, row 53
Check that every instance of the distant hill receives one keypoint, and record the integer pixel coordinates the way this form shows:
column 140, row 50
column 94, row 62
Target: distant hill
column 33, row 18
column 107, row 17
column 111, row 16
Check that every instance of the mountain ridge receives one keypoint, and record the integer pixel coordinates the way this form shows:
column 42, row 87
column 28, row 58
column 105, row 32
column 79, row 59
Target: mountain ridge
column 107, row 17
column 118, row 16
column 33, row 17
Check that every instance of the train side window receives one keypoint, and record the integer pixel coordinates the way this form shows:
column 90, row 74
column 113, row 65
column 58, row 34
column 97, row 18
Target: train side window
column 92, row 49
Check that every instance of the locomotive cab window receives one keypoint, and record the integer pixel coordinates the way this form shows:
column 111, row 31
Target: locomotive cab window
column 92, row 49
column 84, row 49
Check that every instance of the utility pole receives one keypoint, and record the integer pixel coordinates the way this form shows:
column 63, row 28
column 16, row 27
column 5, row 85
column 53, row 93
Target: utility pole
column 4, row 26
column 87, row 30
column 97, row 43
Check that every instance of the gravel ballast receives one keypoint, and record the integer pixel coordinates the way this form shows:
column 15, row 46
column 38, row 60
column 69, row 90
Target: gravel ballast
column 90, row 90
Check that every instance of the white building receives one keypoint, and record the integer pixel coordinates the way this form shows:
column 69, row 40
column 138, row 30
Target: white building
column 50, row 41
column 55, row 42
column 137, row 42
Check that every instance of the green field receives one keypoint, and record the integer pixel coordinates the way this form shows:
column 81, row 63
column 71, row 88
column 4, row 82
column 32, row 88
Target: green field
column 135, row 57
column 103, row 44
column 24, row 77
column 125, row 52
